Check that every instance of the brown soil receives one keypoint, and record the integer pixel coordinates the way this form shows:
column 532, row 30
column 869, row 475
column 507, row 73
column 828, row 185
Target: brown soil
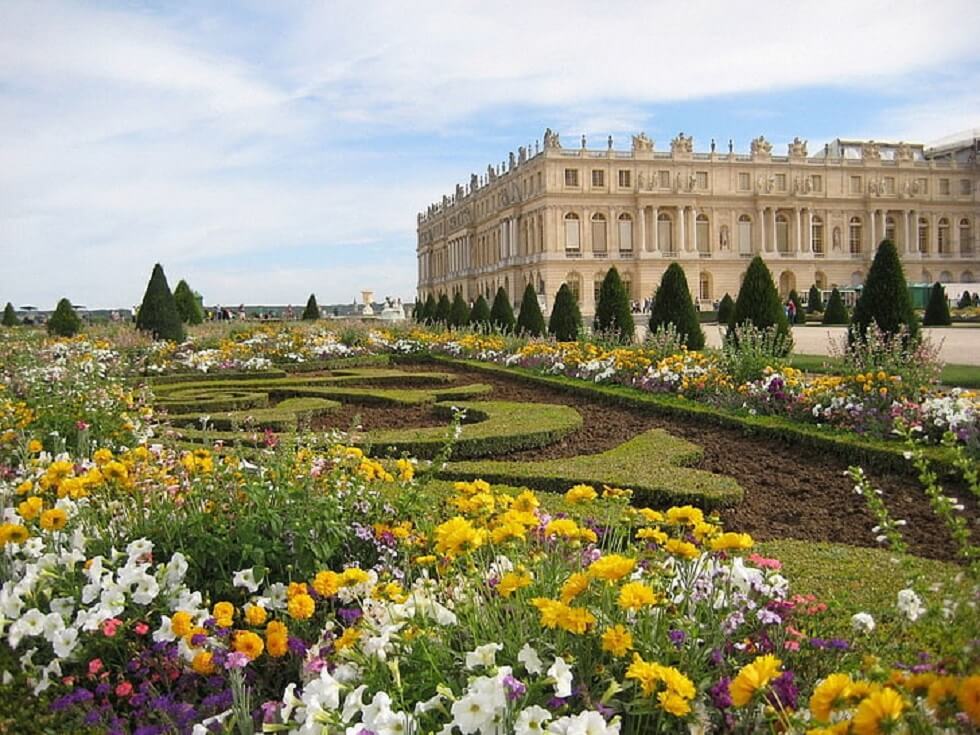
column 378, row 417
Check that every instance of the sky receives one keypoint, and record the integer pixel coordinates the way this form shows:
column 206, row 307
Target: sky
column 266, row 150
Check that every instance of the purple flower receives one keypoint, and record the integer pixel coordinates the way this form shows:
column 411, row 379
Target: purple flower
column 677, row 637
column 716, row 657
column 297, row 645
column 515, row 689
column 785, row 691
column 236, row 660
column 350, row 615
column 721, row 697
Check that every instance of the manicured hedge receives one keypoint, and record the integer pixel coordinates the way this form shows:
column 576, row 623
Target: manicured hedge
column 238, row 375
column 210, row 400
column 288, row 415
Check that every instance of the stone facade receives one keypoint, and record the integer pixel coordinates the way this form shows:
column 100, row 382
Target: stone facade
column 562, row 214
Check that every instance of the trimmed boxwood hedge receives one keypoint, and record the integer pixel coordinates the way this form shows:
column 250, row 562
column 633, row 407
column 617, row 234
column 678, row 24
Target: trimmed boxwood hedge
column 288, row 415
column 205, row 400
column 654, row 465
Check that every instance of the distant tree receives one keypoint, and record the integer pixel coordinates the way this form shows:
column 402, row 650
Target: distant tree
column 566, row 319
column 417, row 311
column 800, row 313
column 725, row 309
column 937, row 310
column 672, row 304
column 814, row 300
column 965, row 301
column 64, row 322
column 885, row 297
column 758, row 301
column 443, row 307
column 501, row 313
column 459, row 312
column 158, row 313
column 480, row 313
column 836, row 312
column 187, row 304
column 429, row 310
column 312, row 312
column 9, row 316
column 612, row 312
column 530, row 320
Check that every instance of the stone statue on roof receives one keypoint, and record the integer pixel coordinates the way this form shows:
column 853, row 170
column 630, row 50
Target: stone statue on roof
column 551, row 140
column 642, row 143
column 761, row 147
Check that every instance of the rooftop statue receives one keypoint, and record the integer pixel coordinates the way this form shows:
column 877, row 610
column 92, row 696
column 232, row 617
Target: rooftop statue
column 551, row 140
column 761, row 146
column 870, row 151
column 797, row 149
column 682, row 144
column 642, row 143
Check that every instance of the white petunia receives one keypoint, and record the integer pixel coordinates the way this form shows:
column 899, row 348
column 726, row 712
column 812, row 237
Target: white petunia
column 146, row 590
column 529, row 657
column 483, row 656
column 862, row 622
column 65, row 642
column 562, row 674
column 532, row 721
column 910, row 604
column 139, row 548
column 246, row 578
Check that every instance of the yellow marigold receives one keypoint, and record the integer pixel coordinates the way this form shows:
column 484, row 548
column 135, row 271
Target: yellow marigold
column 575, row 585
column 255, row 615
column 581, row 494
column 34, row 446
column 504, row 532
column 968, row 698
column 611, row 567
column 181, row 623
column 425, row 560
column 301, row 607
column 652, row 534
column 348, row 638
column 203, row 663
column 636, row 595
column 30, row 508
column 617, row 640
column 115, row 472
column 878, row 713
column 646, row 673
column 731, row 542
column 564, row 527
column 685, row 514
column 13, row 533
column 326, row 583
column 276, row 639
column 752, row 678
column 457, row 536
column 353, row 576
column 575, row 619
column 296, row 588
column 678, row 547
column 703, row 531
column 831, row 693
column 513, row 581
column 248, row 643
column 54, row 519
column 943, row 691
column 224, row 614
column 549, row 609
column 25, row 487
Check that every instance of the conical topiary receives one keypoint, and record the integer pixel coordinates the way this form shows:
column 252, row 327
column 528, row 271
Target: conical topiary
column 885, row 297
column 158, row 312
column 725, row 309
column 799, row 316
column 312, row 312
column 64, row 322
column 758, row 301
column 566, row 319
column 188, row 306
column 9, row 316
column 459, row 312
column 672, row 304
column 836, row 312
column 443, row 307
column 814, row 300
column 965, row 301
column 530, row 320
column 429, row 310
column 480, row 313
column 937, row 310
column 612, row 312
column 501, row 313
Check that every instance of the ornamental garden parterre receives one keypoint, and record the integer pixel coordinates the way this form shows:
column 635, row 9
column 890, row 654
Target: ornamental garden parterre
column 293, row 529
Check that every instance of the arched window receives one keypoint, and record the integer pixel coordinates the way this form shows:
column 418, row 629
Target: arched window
column 966, row 237
column 625, row 233
column 745, row 235
column 820, row 279
column 967, row 277
column 942, row 233
column 857, row 278
column 597, row 286
column 923, row 235
column 704, row 286
column 701, row 237
column 665, row 229
column 628, row 285
column 572, row 237
column 945, row 277
column 926, row 276
column 855, row 235
column 787, row 283
column 598, row 233
column 782, row 233
column 574, row 281
column 890, row 228
column 816, row 235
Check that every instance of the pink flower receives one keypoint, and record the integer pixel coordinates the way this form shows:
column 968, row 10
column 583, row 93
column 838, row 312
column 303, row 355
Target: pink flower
column 141, row 628
column 761, row 561
column 236, row 660
column 124, row 689
column 791, row 645
column 81, row 425
column 110, row 626
column 94, row 666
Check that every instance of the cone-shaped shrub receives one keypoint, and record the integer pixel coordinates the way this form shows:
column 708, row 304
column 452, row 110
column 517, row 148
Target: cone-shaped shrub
column 417, row 311
column 725, row 309
column 965, row 301
column 9, row 316
column 814, row 300
column 459, row 312
column 672, row 304
column 758, row 301
column 312, row 311
column 836, row 312
column 501, row 314
column 187, row 305
column 800, row 316
column 429, row 310
column 937, row 310
column 885, row 297
column 158, row 313
column 530, row 320
column 443, row 307
column 612, row 313
column 566, row 319
column 480, row 313
column 64, row 322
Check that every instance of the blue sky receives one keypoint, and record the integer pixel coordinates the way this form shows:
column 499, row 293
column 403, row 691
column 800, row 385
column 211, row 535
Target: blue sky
column 264, row 151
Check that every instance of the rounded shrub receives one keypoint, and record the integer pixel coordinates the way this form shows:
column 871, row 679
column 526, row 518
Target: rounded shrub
column 480, row 313
column 9, row 316
column 885, row 297
column 566, row 319
column 758, row 301
column 158, row 313
column 672, row 304
column 312, row 311
column 501, row 313
column 530, row 320
column 64, row 322
column 612, row 313
column 814, row 300
column 725, row 309
column 836, row 312
column 188, row 305
column 459, row 312
column 443, row 308
column 937, row 310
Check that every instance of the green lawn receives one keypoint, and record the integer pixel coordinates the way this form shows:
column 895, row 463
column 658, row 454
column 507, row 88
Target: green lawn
column 963, row 376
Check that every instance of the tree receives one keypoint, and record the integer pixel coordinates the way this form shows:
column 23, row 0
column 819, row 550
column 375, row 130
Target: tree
column 64, row 322
column 758, row 301
column 312, row 312
column 501, row 313
column 672, row 304
column 187, row 304
column 480, row 313
column 417, row 311
column 530, row 320
column 965, row 301
column 799, row 316
column 836, row 312
column 443, row 307
column 725, row 309
column 814, row 300
column 459, row 312
column 429, row 310
column 885, row 297
column 612, row 313
column 937, row 310
column 158, row 313
column 9, row 316
column 566, row 319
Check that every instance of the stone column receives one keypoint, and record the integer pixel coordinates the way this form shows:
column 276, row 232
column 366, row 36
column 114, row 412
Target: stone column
column 693, row 244
column 655, row 216
column 772, row 223
column 762, row 231
column 798, row 245
column 681, row 212
column 808, row 247
column 874, row 223
column 643, row 231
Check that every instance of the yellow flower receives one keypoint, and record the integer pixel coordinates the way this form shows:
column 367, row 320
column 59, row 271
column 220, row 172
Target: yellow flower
column 878, row 713
column 581, row 494
column 752, row 678
column 575, row 585
column 673, row 703
column 115, row 471
column 731, row 542
column 636, row 595
column 353, row 576
column 564, row 527
column 248, row 643
column 504, row 532
column 611, row 567
column 652, row 534
column 224, row 614
column 347, row 639
column 296, row 588
column 301, row 607
column 617, row 640
column 457, row 536
column 829, row 694
column 102, row 456
column 276, row 639
column 968, row 698
column 30, row 508
column 34, row 446
column 425, row 560
column 203, row 663
column 550, row 610
column 575, row 619
column 685, row 514
column 326, row 583
column 513, row 581
column 255, row 615
column 13, row 533
column 943, row 691
column 181, row 623
column 54, row 519
column 685, row 549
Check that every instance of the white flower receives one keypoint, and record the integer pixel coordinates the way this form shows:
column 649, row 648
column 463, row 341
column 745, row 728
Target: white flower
column 176, row 570
column 862, row 622
column 562, row 674
column 910, row 605
column 587, row 723
column 529, row 657
column 483, row 656
column 139, row 548
column 473, row 712
column 30, row 624
column 64, row 642
column 322, row 693
column 146, row 590
column 532, row 721
column 246, row 578
column 353, row 703
column 164, row 632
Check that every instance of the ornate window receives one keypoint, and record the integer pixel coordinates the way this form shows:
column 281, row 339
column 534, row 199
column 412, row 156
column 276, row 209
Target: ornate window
column 923, row 235
column 598, row 233
column 942, row 233
column 745, row 235
column 625, row 233
column 816, row 235
column 665, row 228
column 855, row 235
column 890, row 228
column 574, row 281
column 701, row 238
column 966, row 237
column 598, row 178
column 572, row 234
column 782, row 233
column 945, row 277
column 625, row 179
column 704, row 286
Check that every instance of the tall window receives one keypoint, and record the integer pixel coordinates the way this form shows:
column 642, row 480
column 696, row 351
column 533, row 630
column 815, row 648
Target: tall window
column 890, row 228
column 966, row 237
column 855, row 235
column 966, row 188
column 944, row 186
column 598, row 177
column 923, row 235
column 665, row 233
column 855, row 185
column 572, row 238
column 702, row 179
column 598, row 233
column 571, row 177
column 816, row 182
column 745, row 235
column 816, row 235
column 701, row 234
column 782, row 233
column 744, row 182
column 625, row 179
column 704, row 287
column 574, row 281
column 625, row 233
column 664, row 179
column 943, row 235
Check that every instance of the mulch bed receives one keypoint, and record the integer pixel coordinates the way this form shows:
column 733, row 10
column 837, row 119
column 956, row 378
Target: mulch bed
column 378, row 417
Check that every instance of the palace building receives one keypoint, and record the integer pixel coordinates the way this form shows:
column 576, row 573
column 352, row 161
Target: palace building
column 566, row 215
